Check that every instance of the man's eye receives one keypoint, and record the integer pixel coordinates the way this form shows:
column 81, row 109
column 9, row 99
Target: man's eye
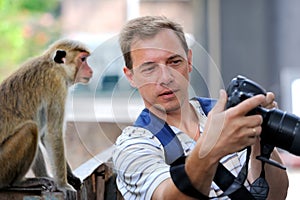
column 148, row 69
column 176, row 62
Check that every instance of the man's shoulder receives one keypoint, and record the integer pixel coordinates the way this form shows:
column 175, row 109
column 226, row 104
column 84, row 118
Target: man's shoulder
column 206, row 103
column 134, row 134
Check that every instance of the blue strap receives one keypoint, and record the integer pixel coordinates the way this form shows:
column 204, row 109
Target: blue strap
column 206, row 103
column 162, row 131
column 173, row 149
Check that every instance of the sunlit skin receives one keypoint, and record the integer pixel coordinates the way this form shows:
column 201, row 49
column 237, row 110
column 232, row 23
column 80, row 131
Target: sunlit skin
column 161, row 72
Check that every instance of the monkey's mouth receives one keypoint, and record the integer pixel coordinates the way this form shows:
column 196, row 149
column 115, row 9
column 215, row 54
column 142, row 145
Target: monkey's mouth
column 82, row 80
column 86, row 79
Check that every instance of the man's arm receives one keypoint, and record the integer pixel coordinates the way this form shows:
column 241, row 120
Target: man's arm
column 225, row 132
column 277, row 179
column 167, row 190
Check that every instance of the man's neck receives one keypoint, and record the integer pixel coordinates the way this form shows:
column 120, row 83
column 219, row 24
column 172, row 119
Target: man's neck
column 183, row 118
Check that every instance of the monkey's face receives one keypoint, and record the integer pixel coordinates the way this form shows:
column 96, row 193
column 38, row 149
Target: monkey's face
column 84, row 71
column 72, row 55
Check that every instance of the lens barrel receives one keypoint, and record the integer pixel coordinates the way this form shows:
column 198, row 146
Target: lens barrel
column 281, row 130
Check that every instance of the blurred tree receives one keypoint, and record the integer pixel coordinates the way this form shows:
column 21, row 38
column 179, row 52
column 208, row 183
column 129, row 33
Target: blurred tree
column 26, row 28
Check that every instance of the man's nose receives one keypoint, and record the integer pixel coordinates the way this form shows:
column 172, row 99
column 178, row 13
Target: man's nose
column 166, row 75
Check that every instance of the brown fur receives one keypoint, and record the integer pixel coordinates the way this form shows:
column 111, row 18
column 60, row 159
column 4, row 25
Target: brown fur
column 31, row 100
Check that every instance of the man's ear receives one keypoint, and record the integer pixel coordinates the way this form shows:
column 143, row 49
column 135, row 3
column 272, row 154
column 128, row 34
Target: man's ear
column 129, row 75
column 190, row 59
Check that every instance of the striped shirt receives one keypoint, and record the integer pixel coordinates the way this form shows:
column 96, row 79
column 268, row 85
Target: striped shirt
column 140, row 161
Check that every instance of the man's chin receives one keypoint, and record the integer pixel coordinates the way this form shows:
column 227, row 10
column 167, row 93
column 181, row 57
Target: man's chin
column 166, row 108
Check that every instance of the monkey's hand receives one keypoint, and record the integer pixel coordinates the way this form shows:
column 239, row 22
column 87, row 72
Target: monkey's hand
column 45, row 183
column 74, row 181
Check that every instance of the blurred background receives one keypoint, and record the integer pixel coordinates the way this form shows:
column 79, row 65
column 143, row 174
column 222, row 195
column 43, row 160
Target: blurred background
column 259, row 39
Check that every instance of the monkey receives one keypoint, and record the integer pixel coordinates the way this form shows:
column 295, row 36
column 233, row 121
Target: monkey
column 32, row 106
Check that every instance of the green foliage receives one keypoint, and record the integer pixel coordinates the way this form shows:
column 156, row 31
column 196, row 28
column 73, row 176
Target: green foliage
column 28, row 5
column 26, row 28
column 38, row 5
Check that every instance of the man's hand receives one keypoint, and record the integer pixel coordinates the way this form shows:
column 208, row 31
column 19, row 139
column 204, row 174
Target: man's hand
column 270, row 101
column 230, row 130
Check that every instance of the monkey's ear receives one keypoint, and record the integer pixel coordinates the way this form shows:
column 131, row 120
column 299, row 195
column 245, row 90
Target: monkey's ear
column 59, row 56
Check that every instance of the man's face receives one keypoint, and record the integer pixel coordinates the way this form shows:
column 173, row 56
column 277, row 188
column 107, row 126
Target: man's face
column 160, row 71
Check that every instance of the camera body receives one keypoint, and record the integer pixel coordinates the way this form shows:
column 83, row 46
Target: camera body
column 279, row 129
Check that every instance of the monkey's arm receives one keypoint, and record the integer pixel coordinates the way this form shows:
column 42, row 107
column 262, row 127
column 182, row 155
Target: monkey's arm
column 39, row 169
column 53, row 138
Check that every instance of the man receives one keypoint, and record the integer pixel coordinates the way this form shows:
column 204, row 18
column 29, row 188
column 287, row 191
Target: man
column 158, row 63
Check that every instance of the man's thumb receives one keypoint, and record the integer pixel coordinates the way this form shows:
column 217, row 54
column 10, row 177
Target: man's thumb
column 221, row 103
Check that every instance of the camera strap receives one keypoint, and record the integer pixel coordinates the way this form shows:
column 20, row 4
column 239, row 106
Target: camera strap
column 259, row 189
column 231, row 185
column 235, row 185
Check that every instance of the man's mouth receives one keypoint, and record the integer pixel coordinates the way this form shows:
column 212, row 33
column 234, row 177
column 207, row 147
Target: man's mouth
column 167, row 94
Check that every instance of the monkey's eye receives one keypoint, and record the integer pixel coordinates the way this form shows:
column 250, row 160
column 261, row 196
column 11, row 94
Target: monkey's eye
column 83, row 59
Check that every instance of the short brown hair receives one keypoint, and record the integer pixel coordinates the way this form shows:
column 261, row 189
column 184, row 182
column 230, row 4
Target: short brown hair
column 147, row 27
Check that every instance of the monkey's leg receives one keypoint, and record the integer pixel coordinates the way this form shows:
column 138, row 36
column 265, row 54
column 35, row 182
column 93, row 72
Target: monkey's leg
column 16, row 157
column 17, row 153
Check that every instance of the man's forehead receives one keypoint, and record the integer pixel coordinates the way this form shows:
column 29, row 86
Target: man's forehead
column 154, row 55
column 153, row 50
column 165, row 40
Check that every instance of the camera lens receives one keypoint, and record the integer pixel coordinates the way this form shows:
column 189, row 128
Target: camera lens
column 281, row 129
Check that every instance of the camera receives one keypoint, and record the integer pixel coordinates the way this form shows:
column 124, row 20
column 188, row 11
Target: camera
column 279, row 128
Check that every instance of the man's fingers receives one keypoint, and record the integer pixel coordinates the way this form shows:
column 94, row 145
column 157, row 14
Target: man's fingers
column 243, row 108
column 251, row 121
column 270, row 101
column 249, row 104
column 255, row 131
